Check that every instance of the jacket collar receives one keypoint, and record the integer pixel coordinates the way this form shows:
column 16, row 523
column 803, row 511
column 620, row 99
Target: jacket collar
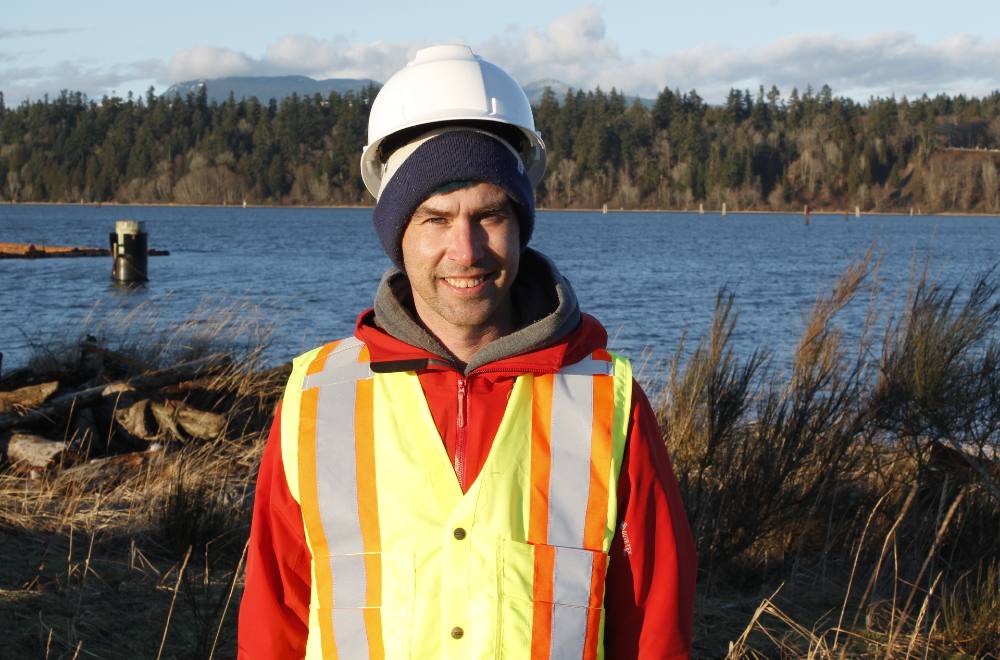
column 552, row 328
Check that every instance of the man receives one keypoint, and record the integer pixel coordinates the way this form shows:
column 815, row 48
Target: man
column 472, row 474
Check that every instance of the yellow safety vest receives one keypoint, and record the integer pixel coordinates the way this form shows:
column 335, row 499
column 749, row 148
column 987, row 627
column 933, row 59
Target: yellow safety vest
column 404, row 565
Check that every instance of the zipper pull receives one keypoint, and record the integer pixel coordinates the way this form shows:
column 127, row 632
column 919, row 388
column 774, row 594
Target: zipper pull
column 461, row 403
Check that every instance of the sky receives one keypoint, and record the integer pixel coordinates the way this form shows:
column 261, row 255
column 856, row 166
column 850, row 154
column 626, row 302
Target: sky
column 861, row 48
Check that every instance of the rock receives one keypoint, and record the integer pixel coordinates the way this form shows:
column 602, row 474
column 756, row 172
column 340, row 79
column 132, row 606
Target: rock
column 32, row 452
column 31, row 396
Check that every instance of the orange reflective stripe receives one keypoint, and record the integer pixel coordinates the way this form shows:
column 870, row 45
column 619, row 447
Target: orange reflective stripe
column 543, row 587
column 594, row 614
column 319, row 362
column 541, row 429
column 596, row 520
column 368, row 516
column 364, row 437
column 308, row 493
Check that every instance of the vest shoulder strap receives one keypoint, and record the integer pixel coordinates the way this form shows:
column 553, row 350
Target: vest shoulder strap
column 598, row 363
column 338, row 361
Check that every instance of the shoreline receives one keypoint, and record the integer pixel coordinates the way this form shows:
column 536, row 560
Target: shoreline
column 818, row 212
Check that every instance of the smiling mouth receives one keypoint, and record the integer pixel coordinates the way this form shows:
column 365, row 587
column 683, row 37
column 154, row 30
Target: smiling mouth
column 466, row 282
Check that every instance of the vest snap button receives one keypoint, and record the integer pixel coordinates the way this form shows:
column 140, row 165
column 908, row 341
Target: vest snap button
column 459, row 533
column 457, row 632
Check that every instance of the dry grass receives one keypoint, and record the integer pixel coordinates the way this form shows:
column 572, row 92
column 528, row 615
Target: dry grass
column 98, row 563
column 140, row 555
column 850, row 507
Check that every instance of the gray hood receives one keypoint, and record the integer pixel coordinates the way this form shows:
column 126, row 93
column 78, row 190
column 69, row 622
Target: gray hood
column 543, row 299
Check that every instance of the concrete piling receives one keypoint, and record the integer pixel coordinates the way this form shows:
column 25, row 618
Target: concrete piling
column 129, row 252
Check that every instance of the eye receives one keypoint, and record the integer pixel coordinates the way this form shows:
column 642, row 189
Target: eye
column 494, row 218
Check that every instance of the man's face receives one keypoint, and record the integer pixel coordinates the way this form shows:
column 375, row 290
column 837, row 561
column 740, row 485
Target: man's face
column 461, row 251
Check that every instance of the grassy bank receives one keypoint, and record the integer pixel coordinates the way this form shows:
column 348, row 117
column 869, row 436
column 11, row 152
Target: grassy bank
column 132, row 545
column 848, row 506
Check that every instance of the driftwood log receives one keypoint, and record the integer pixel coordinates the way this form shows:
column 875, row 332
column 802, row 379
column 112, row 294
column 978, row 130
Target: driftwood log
column 64, row 402
column 31, row 451
column 31, row 396
column 151, row 420
column 176, row 418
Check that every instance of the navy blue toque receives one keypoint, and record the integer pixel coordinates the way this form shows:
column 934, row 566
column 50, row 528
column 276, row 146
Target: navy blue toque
column 455, row 155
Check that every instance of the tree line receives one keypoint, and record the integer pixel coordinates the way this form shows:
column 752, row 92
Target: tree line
column 754, row 151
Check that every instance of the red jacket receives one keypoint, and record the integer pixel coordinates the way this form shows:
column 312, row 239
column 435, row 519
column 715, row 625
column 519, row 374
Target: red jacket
column 649, row 594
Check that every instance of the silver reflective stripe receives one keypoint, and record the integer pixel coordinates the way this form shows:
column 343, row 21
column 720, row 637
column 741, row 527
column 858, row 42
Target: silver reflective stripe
column 336, row 465
column 349, row 634
column 337, row 492
column 569, row 632
column 348, row 580
column 588, row 366
column 569, row 490
column 569, row 476
column 573, row 570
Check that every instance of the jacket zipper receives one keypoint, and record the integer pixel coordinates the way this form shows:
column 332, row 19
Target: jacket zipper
column 462, row 422
column 460, row 445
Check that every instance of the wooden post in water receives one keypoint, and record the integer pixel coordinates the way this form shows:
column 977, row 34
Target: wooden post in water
column 805, row 212
column 857, row 211
column 723, row 209
column 701, row 208
column 129, row 252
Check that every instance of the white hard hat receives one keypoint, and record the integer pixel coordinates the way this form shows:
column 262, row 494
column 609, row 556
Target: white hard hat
column 450, row 85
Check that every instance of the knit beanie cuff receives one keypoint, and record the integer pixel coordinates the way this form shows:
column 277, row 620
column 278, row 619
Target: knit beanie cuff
column 454, row 155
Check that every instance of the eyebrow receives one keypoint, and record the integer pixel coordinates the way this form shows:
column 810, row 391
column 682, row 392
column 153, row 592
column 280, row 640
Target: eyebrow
column 424, row 209
column 500, row 207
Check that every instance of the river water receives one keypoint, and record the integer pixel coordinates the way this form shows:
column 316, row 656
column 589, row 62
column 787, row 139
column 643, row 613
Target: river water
column 651, row 278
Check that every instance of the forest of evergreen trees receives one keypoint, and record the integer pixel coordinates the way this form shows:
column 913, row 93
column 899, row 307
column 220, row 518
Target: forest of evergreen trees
column 762, row 151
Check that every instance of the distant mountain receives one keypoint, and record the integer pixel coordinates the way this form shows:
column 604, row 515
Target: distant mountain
column 278, row 87
column 266, row 88
column 534, row 90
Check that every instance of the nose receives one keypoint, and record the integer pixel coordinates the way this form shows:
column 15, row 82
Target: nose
column 465, row 242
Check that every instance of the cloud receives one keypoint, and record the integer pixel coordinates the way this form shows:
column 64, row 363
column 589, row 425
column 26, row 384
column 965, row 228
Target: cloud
column 33, row 82
column 294, row 54
column 208, row 62
column 574, row 48
column 6, row 33
column 880, row 64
